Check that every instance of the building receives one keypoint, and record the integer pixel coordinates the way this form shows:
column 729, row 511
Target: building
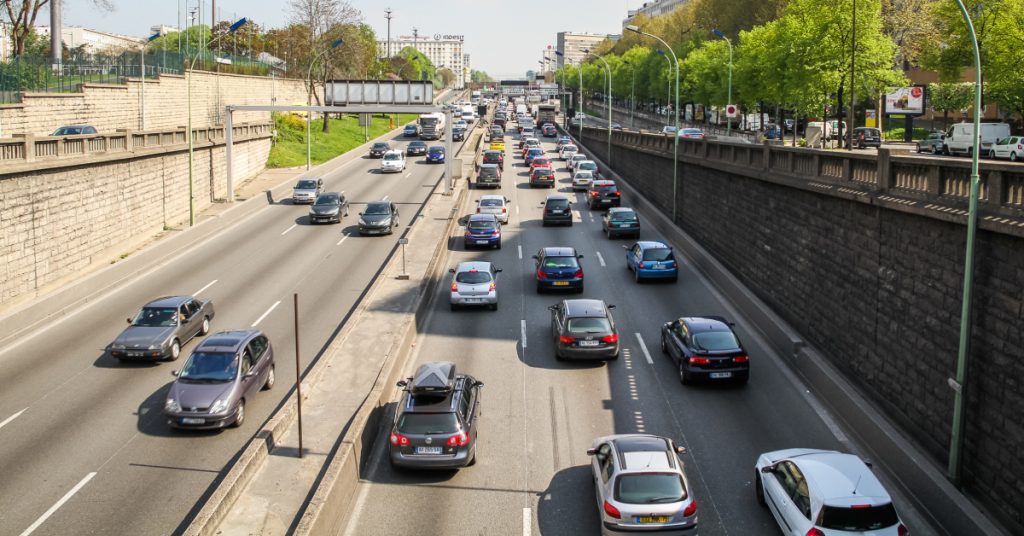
column 653, row 8
column 467, row 71
column 444, row 51
column 163, row 29
column 6, row 45
column 92, row 41
column 570, row 46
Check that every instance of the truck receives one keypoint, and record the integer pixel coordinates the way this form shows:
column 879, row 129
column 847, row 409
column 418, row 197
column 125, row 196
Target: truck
column 475, row 97
column 431, row 126
column 547, row 113
column 959, row 139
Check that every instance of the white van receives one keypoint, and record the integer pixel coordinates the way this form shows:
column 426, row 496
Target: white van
column 960, row 137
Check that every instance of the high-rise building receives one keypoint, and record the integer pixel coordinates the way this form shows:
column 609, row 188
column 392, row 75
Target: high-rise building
column 653, row 8
column 444, row 51
column 467, row 72
column 571, row 46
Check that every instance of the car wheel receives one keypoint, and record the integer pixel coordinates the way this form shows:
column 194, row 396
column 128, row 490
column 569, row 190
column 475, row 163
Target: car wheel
column 759, row 489
column 664, row 347
column 206, row 326
column 454, row 307
column 494, row 306
column 992, row 154
column 498, row 245
column 270, row 380
column 543, row 223
column 580, row 290
column 472, row 460
column 540, row 289
column 1013, row 157
column 636, row 276
column 683, row 378
column 935, row 149
column 175, row 350
column 240, row 416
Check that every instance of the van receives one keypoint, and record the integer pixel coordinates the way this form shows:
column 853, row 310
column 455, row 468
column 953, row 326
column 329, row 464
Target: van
column 960, row 137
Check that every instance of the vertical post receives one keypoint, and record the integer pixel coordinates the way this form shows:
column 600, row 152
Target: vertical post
column 142, row 88
column 55, row 33
column 448, row 153
column 191, row 150
column 298, row 372
column 853, row 67
column 229, row 140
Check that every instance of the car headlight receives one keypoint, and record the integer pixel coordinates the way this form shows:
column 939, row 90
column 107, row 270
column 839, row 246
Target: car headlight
column 219, row 406
column 362, row 221
column 386, row 221
column 155, row 346
column 172, row 406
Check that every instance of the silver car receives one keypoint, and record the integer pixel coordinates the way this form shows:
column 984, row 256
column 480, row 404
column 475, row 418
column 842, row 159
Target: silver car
column 475, row 283
column 162, row 327
column 641, row 486
column 306, row 190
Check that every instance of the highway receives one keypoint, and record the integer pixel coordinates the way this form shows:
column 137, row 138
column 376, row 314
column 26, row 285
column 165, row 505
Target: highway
column 540, row 415
column 84, row 446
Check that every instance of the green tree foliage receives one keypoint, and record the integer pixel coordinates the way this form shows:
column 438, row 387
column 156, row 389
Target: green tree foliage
column 480, row 76
column 705, row 73
column 950, row 97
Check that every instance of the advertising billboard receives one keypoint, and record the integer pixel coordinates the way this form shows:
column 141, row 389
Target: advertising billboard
column 905, row 100
column 355, row 92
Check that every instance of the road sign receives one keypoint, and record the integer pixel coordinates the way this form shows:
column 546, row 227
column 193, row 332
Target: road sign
column 731, row 110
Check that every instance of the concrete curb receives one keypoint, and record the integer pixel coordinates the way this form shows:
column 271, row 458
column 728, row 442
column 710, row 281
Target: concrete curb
column 922, row 481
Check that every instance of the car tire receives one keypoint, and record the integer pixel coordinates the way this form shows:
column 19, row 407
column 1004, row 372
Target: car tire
column 205, row 327
column 1013, row 157
column 240, row 417
column 664, row 347
column 498, row 245
column 935, row 149
column 472, row 460
column 175, row 350
column 992, row 154
column 494, row 307
column 271, row 379
column 543, row 223
column 454, row 307
column 759, row 489
column 636, row 276
column 683, row 378
column 580, row 290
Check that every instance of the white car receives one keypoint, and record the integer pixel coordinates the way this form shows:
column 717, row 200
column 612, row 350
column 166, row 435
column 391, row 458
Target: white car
column 494, row 204
column 576, row 159
column 393, row 162
column 460, row 124
column 474, row 283
column 581, row 180
column 567, row 151
column 1011, row 147
column 824, row 493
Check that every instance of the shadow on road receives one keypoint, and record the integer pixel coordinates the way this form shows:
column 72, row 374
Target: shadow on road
column 568, row 506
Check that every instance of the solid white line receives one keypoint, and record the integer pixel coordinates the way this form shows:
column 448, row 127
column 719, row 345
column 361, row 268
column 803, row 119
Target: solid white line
column 208, row 285
column 67, row 496
column 342, row 240
column 264, row 315
column 517, row 210
column 520, row 248
column 289, row 229
column 11, row 418
column 644, row 348
column 527, row 522
column 600, row 259
column 522, row 329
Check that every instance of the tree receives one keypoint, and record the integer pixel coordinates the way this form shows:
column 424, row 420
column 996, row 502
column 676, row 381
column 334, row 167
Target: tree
column 321, row 17
column 950, row 97
column 21, row 16
column 479, row 76
column 705, row 73
column 907, row 24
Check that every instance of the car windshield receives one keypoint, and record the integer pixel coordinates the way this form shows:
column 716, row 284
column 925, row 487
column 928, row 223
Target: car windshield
column 377, row 209
column 156, row 317
column 473, row 277
column 437, row 149
column 542, row 172
column 716, row 341
column 858, row 519
column 380, row 146
column 622, row 216
column 488, row 173
column 589, row 325
column 558, row 203
column 658, row 254
column 650, row 488
column 417, row 145
column 482, row 225
column 327, row 199
column 210, row 366
column 560, row 262
column 493, row 201
column 392, row 156
column 587, row 166
column 428, row 423
column 306, row 185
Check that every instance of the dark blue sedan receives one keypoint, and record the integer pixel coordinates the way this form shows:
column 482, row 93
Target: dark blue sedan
column 652, row 260
column 435, row 155
column 558, row 268
column 411, row 130
column 482, row 230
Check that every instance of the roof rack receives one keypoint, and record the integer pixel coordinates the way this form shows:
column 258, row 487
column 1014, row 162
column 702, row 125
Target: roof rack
column 432, row 378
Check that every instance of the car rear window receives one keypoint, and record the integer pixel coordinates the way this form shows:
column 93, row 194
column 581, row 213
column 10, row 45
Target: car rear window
column 473, row 278
column 491, row 202
column 650, row 488
column 716, row 341
column 558, row 203
column 589, row 325
column 858, row 519
column 306, row 185
column 428, row 423
column 586, row 166
column 560, row 262
column 622, row 216
column 658, row 254
column 482, row 224
column 542, row 172
column 606, row 188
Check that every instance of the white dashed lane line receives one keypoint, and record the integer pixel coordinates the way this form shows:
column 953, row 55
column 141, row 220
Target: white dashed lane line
column 527, row 522
column 644, row 348
column 11, row 418
column 208, row 285
column 264, row 315
column 520, row 249
column 600, row 259
column 67, row 496
column 522, row 329
column 289, row 229
column 343, row 238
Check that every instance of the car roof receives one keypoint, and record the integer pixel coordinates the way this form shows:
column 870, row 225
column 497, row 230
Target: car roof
column 558, row 251
column 482, row 217
column 620, row 209
column 653, row 244
column 586, row 308
column 837, row 475
column 168, row 301
column 556, row 196
column 226, row 341
column 489, row 166
column 437, row 147
column 473, row 266
column 493, row 196
column 698, row 324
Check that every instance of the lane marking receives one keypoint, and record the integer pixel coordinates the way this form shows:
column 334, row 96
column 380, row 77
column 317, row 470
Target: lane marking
column 11, row 418
column 600, row 259
column 342, row 239
column 644, row 348
column 517, row 210
column 409, row 174
column 294, row 225
column 264, row 315
column 67, row 496
column 522, row 329
column 385, row 198
column 208, row 285
column 527, row 522
column 520, row 248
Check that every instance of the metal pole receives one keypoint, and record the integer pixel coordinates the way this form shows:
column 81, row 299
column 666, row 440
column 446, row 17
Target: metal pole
column 963, row 352
column 853, row 63
column 632, row 97
column 675, row 150
column 580, row 112
column 448, row 151
column 608, row 104
column 728, row 128
column 298, row 374
column 387, row 15
column 191, row 150
column 142, row 88
column 229, row 141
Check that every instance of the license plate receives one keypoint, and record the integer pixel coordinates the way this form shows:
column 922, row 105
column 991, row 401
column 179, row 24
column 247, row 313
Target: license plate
column 561, row 283
column 428, row 450
column 556, row 212
column 588, row 343
column 134, row 354
column 659, row 265
column 719, row 375
column 192, row 420
column 623, row 225
column 481, row 241
column 471, row 300
column 652, row 519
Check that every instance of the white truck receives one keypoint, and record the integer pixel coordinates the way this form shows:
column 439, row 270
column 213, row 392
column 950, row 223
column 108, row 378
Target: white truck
column 959, row 138
column 431, row 126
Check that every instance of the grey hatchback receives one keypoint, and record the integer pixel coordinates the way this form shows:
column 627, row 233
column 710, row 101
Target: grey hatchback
column 222, row 372
column 584, row 329
column 162, row 327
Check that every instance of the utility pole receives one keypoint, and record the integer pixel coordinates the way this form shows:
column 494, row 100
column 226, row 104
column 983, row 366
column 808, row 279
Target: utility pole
column 853, row 63
column 55, row 31
column 387, row 15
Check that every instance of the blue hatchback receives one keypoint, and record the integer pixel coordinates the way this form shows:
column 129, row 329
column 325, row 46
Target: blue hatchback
column 435, row 154
column 652, row 260
column 558, row 268
column 482, row 230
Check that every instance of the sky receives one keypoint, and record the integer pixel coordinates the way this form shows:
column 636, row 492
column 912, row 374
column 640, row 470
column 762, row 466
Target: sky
column 505, row 39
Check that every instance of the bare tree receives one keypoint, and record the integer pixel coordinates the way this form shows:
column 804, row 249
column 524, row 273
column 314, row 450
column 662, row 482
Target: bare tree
column 21, row 16
column 321, row 17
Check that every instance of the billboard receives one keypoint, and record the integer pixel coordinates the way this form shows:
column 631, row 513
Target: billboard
column 905, row 100
column 343, row 92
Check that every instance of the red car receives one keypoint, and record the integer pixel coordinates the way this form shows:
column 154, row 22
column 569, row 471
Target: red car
column 540, row 162
column 549, row 131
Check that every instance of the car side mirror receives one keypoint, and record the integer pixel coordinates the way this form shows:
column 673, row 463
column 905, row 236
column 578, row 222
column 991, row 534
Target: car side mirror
column 251, row 373
column 402, row 383
column 680, row 450
column 611, row 306
column 579, row 256
column 477, row 201
column 552, row 307
column 497, row 270
column 591, row 452
column 768, row 469
column 478, row 383
column 625, row 247
column 451, row 270
column 129, row 320
column 174, row 372
column 360, row 213
column 534, row 256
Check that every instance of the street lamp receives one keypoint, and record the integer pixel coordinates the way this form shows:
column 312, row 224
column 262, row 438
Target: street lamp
column 728, row 127
column 632, row 92
column 142, row 80
column 675, row 155
column 668, row 92
column 607, row 100
column 191, row 143
column 561, row 85
column 309, row 100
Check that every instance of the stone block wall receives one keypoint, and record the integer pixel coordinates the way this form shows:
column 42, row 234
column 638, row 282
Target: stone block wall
column 878, row 291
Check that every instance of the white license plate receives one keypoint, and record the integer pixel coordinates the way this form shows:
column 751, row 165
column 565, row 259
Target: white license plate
column 589, row 343
column 134, row 354
column 556, row 212
column 192, row 420
column 471, row 300
column 428, row 450
column 481, row 241
column 659, row 265
column 719, row 375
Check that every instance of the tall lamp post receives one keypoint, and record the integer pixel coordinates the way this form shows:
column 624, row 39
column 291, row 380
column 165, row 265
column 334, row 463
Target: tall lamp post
column 607, row 100
column 561, row 87
column 632, row 92
column 728, row 125
column 191, row 142
column 309, row 100
column 675, row 153
column 668, row 91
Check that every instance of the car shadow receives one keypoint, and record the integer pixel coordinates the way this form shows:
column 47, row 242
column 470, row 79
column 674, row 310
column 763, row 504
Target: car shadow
column 150, row 418
column 105, row 360
column 568, row 506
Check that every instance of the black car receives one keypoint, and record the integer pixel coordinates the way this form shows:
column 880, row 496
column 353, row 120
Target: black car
column 411, row 130
column 557, row 210
column 584, row 329
column 494, row 157
column 380, row 217
column 489, row 176
column 378, row 149
column 329, row 207
column 620, row 221
column 435, row 424
column 604, row 194
column 867, row 137
column 705, row 348
column 458, row 133
column 416, row 148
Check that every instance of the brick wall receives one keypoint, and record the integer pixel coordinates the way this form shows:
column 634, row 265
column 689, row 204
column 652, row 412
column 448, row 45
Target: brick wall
column 877, row 290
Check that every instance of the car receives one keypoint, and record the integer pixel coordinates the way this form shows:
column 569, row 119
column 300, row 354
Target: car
column 379, row 217
column 494, row 157
column 74, row 130
column 557, row 210
column 649, row 259
column 378, row 149
column 494, row 204
column 1011, row 147
column 575, row 159
column 581, row 180
column 934, row 143
column 159, row 330
column 501, row 122
column 497, row 132
column 567, row 151
column 867, row 137
column 604, row 194
column 416, row 148
column 497, row 145
column 824, row 493
column 705, row 348
column 488, row 176
column 306, row 190
column 460, row 123
column 563, row 141
column 531, row 153
column 435, row 424
column 524, row 141
column 549, row 131
column 223, row 372
column 482, row 230
column 558, row 268
column 691, row 133
column 435, row 154
column 641, row 486
column 458, row 134
column 329, row 207
column 526, row 131
column 474, row 283
column 542, row 176
column 584, row 329
column 540, row 162
column 393, row 162
column 411, row 130
column 668, row 130
column 618, row 221
column 588, row 165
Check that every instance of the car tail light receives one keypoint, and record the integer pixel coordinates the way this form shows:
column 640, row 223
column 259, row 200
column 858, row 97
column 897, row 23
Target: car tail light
column 699, row 361
column 478, row 210
column 496, row 233
column 610, row 338
column 902, row 530
column 741, row 359
column 468, row 234
column 579, row 273
column 455, row 287
column 504, row 210
column 593, row 193
column 690, row 509
column 564, row 339
column 541, row 274
column 611, row 510
column 642, row 264
column 618, row 194
column 399, row 439
column 460, row 439
column 492, row 287
column 814, row 532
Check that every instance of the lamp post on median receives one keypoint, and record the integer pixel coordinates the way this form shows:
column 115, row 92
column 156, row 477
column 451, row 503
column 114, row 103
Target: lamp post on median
column 675, row 153
column 309, row 101
column 607, row 100
column 191, row 142
column 668, row 91
column 728, row 125
column 632, row 93
column 561, row 87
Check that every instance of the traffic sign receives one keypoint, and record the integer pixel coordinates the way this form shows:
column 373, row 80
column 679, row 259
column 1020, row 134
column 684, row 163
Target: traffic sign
column 731, row 110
